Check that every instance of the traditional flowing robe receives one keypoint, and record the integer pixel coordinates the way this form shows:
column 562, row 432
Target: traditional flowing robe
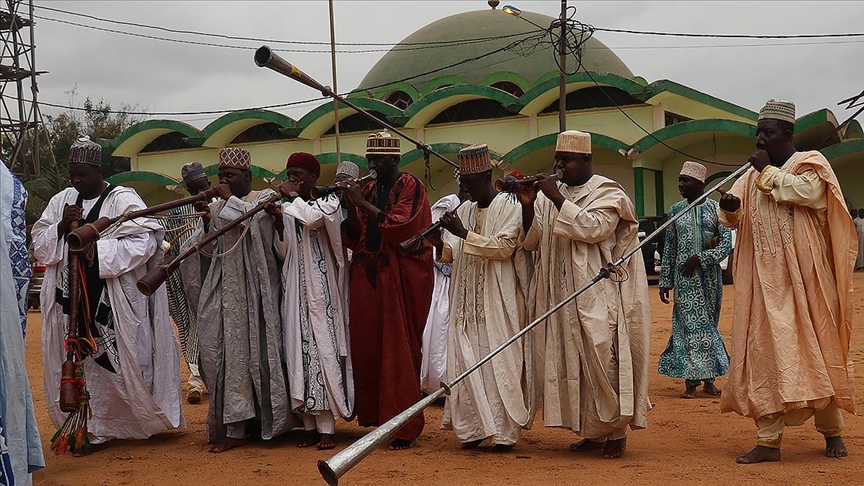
column 314, row 308
column 134, row 377
column 20, row 446
column 487, row 307
column 390, row 298
column 591, row 355
column 239, row 327
column 859, row 227
column 433, row 369
column 794, row 258
column 695, row 350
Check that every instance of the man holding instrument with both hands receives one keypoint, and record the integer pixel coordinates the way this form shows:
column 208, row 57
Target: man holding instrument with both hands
column 794, row 259
column 132, row 369
column 240, row 329
column 591, row 356
column 390, row 292
column 487, row 307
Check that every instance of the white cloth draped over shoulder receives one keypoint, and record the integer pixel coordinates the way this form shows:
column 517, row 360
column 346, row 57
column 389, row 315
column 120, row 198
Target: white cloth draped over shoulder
column 324, row 283
column 592, row 354
column 487, row 307
column 433, row 368
column 143, row 397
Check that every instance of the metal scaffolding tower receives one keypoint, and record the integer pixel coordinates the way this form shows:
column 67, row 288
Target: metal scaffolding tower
column 20, row 117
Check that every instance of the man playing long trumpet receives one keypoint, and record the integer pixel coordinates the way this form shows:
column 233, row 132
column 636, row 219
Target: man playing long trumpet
column 591, row 355
column 487, row 306
column 240, row 331
column 133, row 374
column 314, row 305
column 390, row 292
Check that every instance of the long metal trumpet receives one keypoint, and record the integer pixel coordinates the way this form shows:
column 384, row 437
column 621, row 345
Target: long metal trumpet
column 332, row 469
column 508, row 184
column 148, row 284
column 318, row 192
column 416, row 243
column 265, row 57
column 90, row 232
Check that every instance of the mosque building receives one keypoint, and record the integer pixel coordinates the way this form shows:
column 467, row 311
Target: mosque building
column 507, row 99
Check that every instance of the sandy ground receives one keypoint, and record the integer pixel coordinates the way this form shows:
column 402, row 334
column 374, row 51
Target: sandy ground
column 687, row 441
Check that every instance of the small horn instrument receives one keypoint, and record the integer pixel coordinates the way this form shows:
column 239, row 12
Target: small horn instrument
column 415, row 244
column 148, row 284
column 332, row 469
column 90, row 232
column 318, row 192
column 508, row 184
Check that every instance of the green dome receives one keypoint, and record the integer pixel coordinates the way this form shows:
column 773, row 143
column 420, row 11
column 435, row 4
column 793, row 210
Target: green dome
column 407, row 58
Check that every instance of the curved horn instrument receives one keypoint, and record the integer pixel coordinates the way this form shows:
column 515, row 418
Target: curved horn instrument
column 318, row 192
column 70, row 391
column 332, row 469
column 265, row 57
column 148, row 284
column 508, row 184
column 90, row 232
column 416, row 243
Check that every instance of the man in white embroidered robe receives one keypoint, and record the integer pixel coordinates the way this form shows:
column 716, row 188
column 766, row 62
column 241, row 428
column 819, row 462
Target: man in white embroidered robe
column 314, row 307
column 239, row 327
column 592, row 354
column 487, row 307
column 134, row 376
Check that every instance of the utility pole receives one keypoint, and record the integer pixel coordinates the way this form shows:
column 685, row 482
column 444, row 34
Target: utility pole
column 562, row 75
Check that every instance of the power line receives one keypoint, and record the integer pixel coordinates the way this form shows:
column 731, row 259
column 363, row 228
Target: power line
column 728, row 36
column 179, row 113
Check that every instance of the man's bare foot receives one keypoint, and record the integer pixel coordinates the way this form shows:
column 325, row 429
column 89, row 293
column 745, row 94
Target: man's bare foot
column 472, row 444
column 760, row 454
column 401, row 444
column 690, row 392
column 310, row 438
column 712, row 390
column 586, row 445
column 327, row 442
column 615, row 448
column 834, row 447
column 91, row 448
column 502, row 447
column 228, row 444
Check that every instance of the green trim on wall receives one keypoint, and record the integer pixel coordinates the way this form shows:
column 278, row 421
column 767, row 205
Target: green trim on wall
column 443, row 149
column 853, row 130
column 258, row 172
column 842, row 149
column 517, row 79
column 265, row 116
column 430, row 86
column 810, row 120
column 638, row 182
column 709, row 182
column 142, row 176
column 694, row 126
column 330, row 158
column 664, row 85
column 326, row 109
column 159, row 127
column 597, row 140
column 382, row 92
column 458, row 93
column 604, row 79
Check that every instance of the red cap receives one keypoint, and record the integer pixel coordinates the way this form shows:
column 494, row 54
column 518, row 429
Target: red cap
column 306, row 161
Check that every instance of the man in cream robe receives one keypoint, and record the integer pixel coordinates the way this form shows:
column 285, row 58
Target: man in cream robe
column 239, row 327
column 487, row 307
column 133, row 377
column 315, row 305
column 793, row 285
column 592, row 355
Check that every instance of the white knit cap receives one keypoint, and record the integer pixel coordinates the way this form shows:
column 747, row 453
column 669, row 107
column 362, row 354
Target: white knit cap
column 776, row 109
column 574, row 141
column 694, row 170
column 350, row 168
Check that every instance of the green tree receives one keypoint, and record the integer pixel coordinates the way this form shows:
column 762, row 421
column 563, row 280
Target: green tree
column 96, row 120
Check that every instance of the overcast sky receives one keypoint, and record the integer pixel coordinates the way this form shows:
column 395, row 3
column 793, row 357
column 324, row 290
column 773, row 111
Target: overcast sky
column 164, row 76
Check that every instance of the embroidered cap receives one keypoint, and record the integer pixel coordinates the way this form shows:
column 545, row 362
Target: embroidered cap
column 382, row 143
column 348, row 168
column 776, row 109
column 85, row 151
column 475, row 159
column 192, row 171
column 694, row 170
column 235, row 158
column 574, row 141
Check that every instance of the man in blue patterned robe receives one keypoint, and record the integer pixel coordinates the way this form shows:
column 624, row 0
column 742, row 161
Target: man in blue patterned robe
column 695, row 244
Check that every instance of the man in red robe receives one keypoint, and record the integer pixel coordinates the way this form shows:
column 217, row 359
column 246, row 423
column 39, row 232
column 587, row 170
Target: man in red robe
column 390, row 292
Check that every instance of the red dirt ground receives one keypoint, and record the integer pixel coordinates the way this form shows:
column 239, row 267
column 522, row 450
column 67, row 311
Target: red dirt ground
column 687, row 441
